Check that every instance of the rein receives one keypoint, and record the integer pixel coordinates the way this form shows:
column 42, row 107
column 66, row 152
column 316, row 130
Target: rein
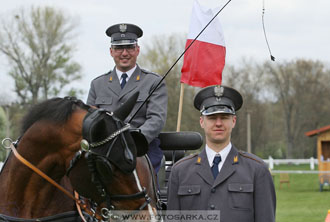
column 51, row 181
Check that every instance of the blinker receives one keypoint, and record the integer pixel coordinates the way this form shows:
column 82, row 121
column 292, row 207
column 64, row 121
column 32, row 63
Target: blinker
column 84, row 145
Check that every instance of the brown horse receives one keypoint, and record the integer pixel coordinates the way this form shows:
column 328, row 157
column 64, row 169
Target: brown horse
column 51, row 137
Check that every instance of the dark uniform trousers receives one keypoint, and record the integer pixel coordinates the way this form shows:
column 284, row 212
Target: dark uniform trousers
column 243, row 190
column 105, row 92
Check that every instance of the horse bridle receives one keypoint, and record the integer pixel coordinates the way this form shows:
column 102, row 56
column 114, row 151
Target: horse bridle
column 93, row 158
column 106, row 213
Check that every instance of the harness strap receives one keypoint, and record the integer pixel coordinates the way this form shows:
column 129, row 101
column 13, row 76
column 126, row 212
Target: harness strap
column 79, row 208
column 129, row 196
column 51, row 181
column 154, row 184
column 62, row 217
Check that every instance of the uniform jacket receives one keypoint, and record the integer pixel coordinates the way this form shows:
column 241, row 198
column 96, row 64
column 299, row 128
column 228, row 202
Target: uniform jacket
column 105, row 92
column 243, row 190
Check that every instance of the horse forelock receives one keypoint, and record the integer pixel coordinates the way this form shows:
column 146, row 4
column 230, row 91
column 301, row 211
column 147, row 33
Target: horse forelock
column 57, row 110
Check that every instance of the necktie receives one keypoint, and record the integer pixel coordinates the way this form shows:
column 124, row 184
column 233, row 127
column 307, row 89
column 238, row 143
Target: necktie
column 215, row 167
column 123, row 82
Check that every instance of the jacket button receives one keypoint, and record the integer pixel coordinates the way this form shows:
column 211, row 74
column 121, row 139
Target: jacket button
column 240, row 189
column 212, row 207
column 213, row 190
column 189, row 191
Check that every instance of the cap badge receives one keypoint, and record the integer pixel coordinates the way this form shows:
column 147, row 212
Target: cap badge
column 218, row 92
column 122, row 27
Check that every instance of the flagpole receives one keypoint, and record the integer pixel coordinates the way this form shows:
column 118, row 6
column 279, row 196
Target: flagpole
column 178, row 125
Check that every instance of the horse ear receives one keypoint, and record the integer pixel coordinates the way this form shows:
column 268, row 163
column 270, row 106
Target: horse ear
column 123, row 111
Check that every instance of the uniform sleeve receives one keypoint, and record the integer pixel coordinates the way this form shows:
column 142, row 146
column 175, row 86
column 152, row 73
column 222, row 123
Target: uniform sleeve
column 156, row 112
column 172, row 191
column 264, row 197
column 91, row 95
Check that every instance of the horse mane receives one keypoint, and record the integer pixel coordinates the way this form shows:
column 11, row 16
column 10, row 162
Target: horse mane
column 57, row 110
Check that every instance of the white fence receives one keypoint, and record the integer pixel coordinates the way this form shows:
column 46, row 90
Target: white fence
column 311, row 161
column 270, row 161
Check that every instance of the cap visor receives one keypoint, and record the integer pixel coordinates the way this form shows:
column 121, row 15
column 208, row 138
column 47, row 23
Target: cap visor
column 218, row 109
column 124, row 42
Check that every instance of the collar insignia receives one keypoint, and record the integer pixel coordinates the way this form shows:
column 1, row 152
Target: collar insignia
column 199, row 159
column 138, row 78
column 235, row 159
column 110, row 79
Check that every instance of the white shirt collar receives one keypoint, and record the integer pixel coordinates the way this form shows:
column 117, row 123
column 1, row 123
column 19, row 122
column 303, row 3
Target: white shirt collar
column 223, row 153
column 129, row 73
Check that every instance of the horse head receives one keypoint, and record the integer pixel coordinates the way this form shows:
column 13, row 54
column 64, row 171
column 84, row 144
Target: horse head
column 50, row 137
column 110, row 158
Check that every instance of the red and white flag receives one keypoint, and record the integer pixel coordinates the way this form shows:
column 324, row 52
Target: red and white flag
column 205, row 59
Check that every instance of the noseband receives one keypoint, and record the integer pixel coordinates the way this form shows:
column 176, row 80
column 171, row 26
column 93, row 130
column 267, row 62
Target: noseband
column 100, row 166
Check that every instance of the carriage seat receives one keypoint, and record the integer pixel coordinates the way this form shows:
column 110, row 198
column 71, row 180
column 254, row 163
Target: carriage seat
column 174, row 146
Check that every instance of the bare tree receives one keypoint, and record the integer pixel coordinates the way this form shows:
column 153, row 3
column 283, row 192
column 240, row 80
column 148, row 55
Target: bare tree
column 247, row 79
column 302, row 87
column 37, row 44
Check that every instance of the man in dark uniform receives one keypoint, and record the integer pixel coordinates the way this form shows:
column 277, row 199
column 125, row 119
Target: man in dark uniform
column 112, row 89
column 238, row 184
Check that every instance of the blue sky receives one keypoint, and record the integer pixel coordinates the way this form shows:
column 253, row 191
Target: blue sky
column 295, row 29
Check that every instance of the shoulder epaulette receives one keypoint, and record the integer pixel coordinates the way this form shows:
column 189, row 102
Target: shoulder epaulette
column 149, row 72
column 250, row 156
column 102, row 75
column 186, row 158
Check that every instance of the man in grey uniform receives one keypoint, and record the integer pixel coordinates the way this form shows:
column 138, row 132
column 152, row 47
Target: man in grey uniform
column 111, row 90
column 236, row 183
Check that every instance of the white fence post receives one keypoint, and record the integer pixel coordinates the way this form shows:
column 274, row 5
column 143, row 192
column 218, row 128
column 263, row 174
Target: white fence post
column 312, row 163
column 271, row 162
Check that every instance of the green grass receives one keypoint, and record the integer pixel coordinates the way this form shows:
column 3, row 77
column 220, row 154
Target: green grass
column 294, row 167
column 302, row 201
